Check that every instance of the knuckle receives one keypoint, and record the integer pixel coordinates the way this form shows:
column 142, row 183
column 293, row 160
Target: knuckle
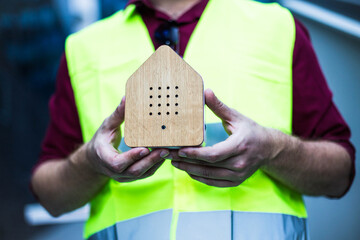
column 242, row 147
column 135, row 172
column 213, row 157
column 118, row 167
column 117, row 164
column 240, row 165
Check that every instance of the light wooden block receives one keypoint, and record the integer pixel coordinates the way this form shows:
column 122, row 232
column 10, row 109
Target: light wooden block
column 164, row 103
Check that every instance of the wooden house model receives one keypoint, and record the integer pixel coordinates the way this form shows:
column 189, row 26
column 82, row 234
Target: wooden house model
column 164, row 103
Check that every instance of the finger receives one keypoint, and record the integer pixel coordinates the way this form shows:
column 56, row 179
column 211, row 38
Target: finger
column 202, row 163
column 152, row 170
column 237, row 164
column 122, row 161
column 206, row 171
column 219, row 108
column 140, row 167
column 117, row 117
column 196, row 161
column 215, row 153
column 215, row 183
column 149, row 173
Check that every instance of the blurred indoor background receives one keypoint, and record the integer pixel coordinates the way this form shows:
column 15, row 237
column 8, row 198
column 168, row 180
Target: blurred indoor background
column 32, row 35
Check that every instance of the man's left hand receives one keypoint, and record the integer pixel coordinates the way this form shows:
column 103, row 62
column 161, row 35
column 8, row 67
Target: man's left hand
column 231, row 162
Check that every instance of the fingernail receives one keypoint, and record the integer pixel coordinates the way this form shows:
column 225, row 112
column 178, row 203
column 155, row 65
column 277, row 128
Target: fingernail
column 143, row 153
column 182, row 154
column 164, row 153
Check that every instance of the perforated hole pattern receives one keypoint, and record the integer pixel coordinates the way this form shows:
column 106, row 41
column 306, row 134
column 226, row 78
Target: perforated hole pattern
column 159, row 95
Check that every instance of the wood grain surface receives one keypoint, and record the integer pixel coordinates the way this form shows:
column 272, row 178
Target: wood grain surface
column 164, row 103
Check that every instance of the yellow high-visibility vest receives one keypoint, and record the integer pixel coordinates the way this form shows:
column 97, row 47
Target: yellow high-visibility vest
column 243, row 51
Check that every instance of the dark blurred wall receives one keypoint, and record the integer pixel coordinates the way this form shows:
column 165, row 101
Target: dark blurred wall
column 31, row 42
column 32, row 36
column 339, row 56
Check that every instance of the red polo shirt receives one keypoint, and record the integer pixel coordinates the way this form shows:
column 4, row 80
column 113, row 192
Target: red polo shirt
column 314, row 114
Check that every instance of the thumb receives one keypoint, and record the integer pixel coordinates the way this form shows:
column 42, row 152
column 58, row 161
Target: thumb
column 117, row 117
column 219, row 108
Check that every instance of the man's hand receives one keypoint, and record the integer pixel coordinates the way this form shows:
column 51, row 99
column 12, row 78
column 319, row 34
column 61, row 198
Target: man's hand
column 228, row 163
column 105, row 159
column 84, row 173
column 309, row 167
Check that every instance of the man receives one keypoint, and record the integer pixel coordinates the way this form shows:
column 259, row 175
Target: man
column 247, row 185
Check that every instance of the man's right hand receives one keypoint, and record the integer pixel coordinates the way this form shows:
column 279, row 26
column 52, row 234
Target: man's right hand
column 83, row 174
column 104, row 158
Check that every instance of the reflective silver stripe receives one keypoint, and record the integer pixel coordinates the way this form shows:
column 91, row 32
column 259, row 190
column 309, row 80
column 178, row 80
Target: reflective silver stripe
column 108, row 233
column 214, row 225
column 151, row 226
column 251, row 226
column 228, row 225
column 204, row 225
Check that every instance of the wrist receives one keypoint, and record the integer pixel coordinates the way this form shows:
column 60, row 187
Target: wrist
column 280, row 146
column 275, row 144
column 83, row 161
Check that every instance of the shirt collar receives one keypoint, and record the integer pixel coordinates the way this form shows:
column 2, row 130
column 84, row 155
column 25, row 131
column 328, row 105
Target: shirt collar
column 140, row 2
column 195, row 12
column 136, row 3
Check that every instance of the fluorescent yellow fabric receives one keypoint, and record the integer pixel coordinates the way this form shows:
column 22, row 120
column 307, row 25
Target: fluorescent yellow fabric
column 243, row 50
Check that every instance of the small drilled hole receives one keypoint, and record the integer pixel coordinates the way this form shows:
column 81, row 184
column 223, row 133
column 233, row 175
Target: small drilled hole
column 159, row 88
column 159, row 113
column 176, row 95
column 177, row 87
column 168, row 88
column 150, row 105
column 163, row 127
column 176, row 113
column 150, row 96
column 150, row 113
column 168, row 104
column 151, row 88
column 159, row 105
column 167, row 96
column 159, row 96
column 167, row 113
column 176, row 104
